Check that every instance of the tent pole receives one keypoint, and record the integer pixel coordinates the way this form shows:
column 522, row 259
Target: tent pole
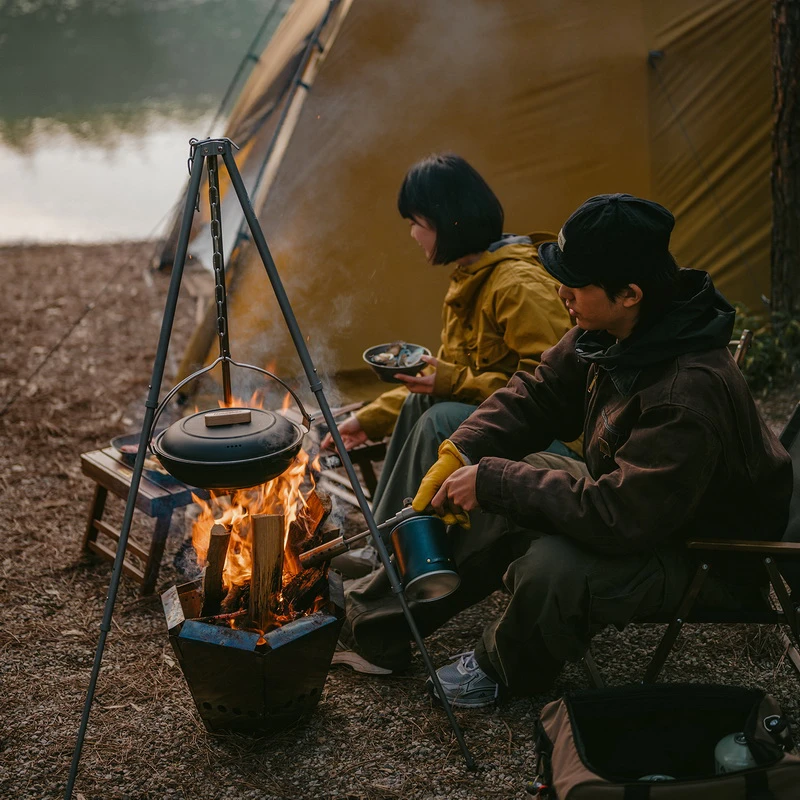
column 224, row 147
column 150, row 407
column 283, row 129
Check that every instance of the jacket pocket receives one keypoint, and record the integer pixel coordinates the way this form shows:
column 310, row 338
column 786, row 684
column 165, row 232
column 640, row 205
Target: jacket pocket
column 609, row 438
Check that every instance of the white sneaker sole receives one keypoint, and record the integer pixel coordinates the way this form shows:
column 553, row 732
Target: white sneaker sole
column 458, row 701
column 358, row 663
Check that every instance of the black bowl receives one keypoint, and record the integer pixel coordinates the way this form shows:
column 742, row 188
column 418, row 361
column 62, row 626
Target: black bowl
column 386, row 374
column 127, row 445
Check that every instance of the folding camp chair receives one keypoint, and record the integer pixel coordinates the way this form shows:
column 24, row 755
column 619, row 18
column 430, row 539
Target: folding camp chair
column 777, row 602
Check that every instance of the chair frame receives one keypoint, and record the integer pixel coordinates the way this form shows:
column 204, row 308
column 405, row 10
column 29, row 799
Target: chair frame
column 780, row 608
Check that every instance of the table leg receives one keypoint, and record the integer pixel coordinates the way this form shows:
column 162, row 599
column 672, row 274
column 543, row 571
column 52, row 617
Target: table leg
column 368, row 476
column 156, row 552
column 96, row 508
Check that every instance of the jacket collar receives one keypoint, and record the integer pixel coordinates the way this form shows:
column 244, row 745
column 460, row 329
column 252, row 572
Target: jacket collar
column 700, row 319
column 466, row 280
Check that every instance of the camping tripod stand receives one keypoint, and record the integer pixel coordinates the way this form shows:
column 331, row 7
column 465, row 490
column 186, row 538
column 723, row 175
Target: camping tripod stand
column 200, row 153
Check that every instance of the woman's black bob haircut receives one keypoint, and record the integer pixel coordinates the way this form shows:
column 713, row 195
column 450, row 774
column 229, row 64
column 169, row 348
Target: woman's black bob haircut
column 447, row 193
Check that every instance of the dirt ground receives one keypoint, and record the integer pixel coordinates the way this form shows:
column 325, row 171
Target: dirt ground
column 369, row 737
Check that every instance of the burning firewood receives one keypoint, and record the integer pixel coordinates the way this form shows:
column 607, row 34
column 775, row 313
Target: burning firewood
column 267, row 574
column 213, row 591
column 237, row 542
column 238, row 595
column 304, row 588
column 321, row 506
column 317, row 509
column 324, row 533
column 222, row 619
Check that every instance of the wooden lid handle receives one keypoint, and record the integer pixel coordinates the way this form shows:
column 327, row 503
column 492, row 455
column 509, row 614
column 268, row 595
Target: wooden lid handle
column 227, row 416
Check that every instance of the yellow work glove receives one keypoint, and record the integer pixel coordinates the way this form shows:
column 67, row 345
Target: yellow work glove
column 449, row 461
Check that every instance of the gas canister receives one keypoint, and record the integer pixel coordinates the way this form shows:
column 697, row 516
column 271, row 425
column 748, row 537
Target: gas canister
column 732, row 754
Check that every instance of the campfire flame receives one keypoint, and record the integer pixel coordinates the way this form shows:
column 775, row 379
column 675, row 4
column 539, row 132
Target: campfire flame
column 282, row 495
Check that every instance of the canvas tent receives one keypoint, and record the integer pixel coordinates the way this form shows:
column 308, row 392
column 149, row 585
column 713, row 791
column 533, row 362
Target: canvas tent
column 551, row 100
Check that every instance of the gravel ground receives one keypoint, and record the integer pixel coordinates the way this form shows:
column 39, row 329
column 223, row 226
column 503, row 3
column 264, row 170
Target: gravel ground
column 369, row 738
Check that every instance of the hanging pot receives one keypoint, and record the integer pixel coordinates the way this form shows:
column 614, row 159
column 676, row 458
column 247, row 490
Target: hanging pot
column 229, row 448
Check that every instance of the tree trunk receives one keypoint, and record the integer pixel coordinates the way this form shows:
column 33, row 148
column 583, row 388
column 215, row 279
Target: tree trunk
column 786, row 158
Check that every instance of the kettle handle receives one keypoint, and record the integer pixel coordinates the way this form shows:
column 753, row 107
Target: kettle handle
column 307, row 419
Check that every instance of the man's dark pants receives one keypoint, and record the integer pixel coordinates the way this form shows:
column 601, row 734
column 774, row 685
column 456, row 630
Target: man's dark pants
column 561, row 593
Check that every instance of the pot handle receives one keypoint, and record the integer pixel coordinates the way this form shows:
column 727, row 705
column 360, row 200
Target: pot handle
column 307, row 419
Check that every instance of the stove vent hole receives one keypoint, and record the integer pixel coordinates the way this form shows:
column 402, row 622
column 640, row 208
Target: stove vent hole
column 207, row 706
column 237, row 711
column 222, row 709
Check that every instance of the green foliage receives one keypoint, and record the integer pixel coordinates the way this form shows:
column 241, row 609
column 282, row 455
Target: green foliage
column 773, row 360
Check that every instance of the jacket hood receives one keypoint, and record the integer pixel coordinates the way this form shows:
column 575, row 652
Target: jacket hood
column 699, row 319
column 465, row 281
column 508, row 246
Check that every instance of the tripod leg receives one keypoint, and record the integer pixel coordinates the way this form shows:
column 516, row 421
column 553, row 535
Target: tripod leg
column 316, row 387
column 150, row 407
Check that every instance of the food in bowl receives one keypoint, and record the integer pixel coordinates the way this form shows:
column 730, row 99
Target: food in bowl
column 386, row 360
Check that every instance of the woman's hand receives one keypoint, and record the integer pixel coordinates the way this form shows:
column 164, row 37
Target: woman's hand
column 458, row 494
column 420, row 384
column 351, row 432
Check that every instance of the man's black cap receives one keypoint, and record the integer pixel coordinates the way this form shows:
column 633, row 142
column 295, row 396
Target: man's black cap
column 610, row 238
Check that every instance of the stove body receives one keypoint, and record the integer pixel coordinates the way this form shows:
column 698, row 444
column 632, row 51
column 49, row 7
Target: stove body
column 241, row 685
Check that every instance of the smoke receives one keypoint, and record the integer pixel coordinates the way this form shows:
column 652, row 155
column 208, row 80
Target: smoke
column 398, row 83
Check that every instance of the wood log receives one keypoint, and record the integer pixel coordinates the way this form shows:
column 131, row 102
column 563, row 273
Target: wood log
column 236, row 598
column 323, row 534
column 304, row 588
column 317, row 509
column 320, row 505
column 213, row 591
column 222, row 618
column 267, row 574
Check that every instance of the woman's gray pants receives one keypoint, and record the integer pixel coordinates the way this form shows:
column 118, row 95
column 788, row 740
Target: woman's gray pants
column 424, row 423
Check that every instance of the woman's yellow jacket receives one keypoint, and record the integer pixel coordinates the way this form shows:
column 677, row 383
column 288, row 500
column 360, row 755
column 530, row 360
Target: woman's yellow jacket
column 500, row 314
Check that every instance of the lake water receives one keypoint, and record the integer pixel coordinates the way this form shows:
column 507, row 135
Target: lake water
column 99, row 101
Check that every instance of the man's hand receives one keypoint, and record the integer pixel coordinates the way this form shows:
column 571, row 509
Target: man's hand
column 457, row 496
column 420, row 384
column 351, row 432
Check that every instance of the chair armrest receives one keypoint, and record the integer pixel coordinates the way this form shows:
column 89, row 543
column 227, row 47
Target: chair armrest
column 783, row 549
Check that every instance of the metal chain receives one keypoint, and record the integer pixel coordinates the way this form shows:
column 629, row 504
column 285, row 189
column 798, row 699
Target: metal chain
column 218, row 264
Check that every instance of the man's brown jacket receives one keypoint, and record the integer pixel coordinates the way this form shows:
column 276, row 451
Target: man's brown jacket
column 673, row 441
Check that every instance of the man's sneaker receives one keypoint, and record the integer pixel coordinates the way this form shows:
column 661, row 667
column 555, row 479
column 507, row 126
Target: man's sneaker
column 357, row 562
column 360, row 664
column 465, row 684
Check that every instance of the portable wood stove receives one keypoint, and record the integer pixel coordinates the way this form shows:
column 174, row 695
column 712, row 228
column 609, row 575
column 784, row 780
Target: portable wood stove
column 247, row 682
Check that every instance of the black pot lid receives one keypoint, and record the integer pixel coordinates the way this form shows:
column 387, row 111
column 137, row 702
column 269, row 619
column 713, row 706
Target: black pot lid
column 192, row 439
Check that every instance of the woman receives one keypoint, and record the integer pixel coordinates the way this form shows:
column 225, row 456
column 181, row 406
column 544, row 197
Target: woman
column 501, row 311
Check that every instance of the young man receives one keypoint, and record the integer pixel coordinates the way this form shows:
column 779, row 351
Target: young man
column 674, row 448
